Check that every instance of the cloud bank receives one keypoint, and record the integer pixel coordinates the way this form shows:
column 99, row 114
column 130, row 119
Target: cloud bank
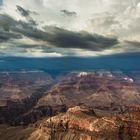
column 69, row 28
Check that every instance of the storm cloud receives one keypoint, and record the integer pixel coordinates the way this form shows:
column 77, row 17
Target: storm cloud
column 83, row 40
column 59, row 37
column 68, row 13
column 22, row 11
column 86, row 28
column 4, row 36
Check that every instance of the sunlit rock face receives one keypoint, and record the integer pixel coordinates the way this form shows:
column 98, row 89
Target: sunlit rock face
column 103, row 90
column 81, row 123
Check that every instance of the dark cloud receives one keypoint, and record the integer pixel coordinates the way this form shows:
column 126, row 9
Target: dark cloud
column 26, row 14
column 25, row 46
column 67, row 39
column 23, row 12
column 4, row 36
column 132, row 46
column 68, row 13
column 31, row 32
column 8, row 27
column 82, row 40
column 59, row 37
column 134, row 43
column 6, row 22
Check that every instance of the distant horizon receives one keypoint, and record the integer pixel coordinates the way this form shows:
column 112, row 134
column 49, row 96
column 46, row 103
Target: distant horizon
column 128, row 62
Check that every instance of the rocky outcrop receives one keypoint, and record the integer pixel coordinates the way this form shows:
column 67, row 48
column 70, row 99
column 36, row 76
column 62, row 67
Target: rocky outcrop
column 81, row 123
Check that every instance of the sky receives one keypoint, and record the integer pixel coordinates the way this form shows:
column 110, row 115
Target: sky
column 57, row 28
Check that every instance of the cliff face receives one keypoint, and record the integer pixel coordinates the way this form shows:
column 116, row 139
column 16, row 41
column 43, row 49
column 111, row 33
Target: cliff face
column 19, row 93
column 105, row 91
column 81, row 123
column 82, row 106
column 18, row 86
column 108, row 93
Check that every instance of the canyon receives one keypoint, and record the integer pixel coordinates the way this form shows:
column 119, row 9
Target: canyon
column 88, row 105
